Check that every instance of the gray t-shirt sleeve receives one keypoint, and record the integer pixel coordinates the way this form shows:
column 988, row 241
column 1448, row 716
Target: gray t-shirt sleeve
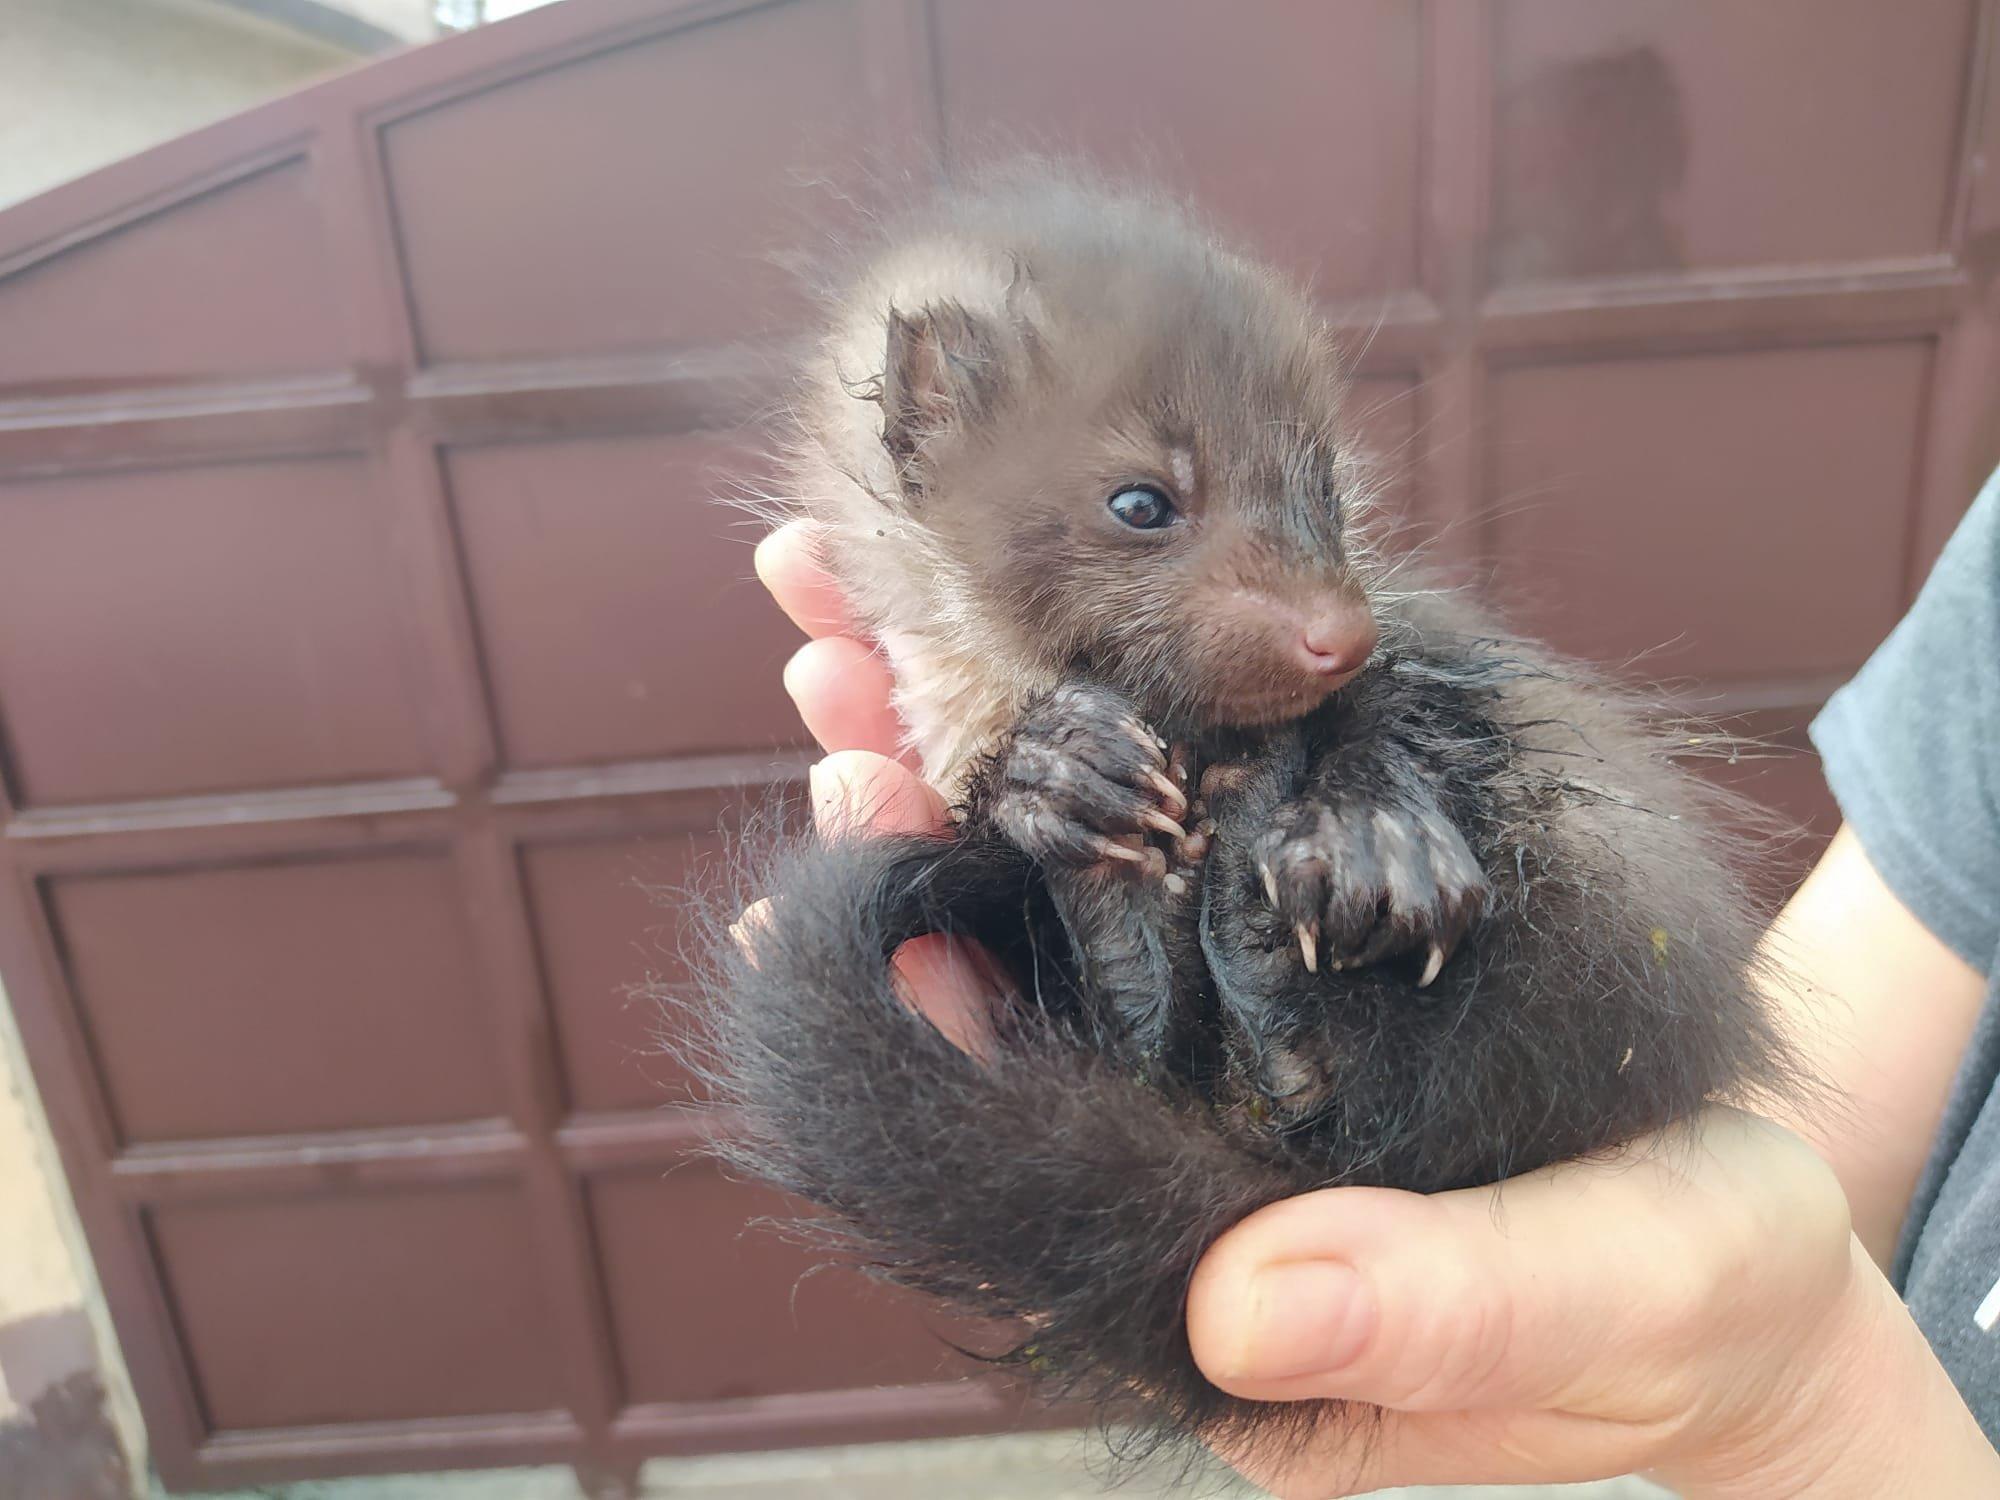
column 1911, row 745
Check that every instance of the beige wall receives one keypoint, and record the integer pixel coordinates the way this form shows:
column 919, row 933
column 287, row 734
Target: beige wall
column 85, row 82
column 39, row 1274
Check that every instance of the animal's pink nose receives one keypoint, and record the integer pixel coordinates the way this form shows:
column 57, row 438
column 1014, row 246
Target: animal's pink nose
column 1338, row 644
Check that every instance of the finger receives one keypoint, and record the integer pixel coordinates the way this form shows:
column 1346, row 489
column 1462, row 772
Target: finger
column 1574, row 1288
column 1404, row 1301
column 842, row 691
column 745, row 928
column 860, row 789
column 787, row 561
column 954, row 983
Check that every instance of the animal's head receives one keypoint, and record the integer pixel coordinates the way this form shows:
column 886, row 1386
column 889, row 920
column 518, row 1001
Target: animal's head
column 1127, row 446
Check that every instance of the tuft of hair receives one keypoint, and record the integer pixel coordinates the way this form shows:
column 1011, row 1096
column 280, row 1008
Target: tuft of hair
column 1046, row 1181
column 1040, row 1182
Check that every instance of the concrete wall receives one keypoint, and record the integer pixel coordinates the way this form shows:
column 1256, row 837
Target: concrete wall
column 85, row 82
column 69, row 1425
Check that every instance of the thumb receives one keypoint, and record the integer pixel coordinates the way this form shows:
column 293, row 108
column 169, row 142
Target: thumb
column 1580, row 1288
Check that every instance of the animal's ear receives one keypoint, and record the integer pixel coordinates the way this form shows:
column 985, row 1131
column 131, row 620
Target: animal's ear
column 942, row 371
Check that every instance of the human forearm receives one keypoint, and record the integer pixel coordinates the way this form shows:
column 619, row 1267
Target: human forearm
column 1881, row 1011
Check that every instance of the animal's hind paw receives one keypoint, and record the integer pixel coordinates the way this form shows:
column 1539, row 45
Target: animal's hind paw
column 1085, row 781
column 1358, row 882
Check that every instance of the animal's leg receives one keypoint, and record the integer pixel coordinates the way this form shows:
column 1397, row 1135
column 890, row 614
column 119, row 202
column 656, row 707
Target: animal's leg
column 1085, row 787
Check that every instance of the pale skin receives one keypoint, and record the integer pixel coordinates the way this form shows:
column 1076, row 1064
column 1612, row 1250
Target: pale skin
column 1708, row 1307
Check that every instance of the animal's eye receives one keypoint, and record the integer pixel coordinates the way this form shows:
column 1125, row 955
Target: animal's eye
column 1143, row 508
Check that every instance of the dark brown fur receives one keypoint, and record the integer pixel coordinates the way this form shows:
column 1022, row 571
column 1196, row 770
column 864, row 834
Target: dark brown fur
column 1451, row 918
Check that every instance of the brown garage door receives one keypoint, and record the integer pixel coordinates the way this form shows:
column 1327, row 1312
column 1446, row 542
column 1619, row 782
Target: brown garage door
column 364, row 631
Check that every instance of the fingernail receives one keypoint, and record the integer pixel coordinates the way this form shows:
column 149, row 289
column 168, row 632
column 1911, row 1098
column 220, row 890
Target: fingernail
column 825, row 790
column 790, row 675
column 1306, row 1318
column 753, row 916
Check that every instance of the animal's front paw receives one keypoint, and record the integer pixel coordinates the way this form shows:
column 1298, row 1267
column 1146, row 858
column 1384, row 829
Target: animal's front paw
column 1084, row 780
column 1358, row 882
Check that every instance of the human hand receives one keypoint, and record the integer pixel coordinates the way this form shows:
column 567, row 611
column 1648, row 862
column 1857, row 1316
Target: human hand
column 1695, row 1305
column 842, row 690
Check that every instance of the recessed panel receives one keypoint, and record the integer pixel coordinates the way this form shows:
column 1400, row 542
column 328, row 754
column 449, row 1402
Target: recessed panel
column 533, row 225
column 272, row 998
column 234, row 281
column 608, row 917
column 200, row 630
column 364, row 1307
column 1295, row 125
column 709, row 1306
column 1732, row 516
column 1652, row 135
column 618, row 611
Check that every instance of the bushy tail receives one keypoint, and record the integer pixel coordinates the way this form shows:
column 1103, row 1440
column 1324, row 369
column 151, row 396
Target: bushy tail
column 1041, row 1182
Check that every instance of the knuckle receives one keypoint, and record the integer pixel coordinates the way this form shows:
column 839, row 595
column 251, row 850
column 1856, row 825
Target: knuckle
column 1457, row 1340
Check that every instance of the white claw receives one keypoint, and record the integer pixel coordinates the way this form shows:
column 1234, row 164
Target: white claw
column 1309, row 946
column 1270, row 884
column 1431, row 966
column 1174, row 798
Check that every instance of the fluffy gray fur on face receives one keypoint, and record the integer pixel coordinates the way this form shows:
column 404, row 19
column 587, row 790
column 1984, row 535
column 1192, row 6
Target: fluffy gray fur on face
column 1297, row 875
